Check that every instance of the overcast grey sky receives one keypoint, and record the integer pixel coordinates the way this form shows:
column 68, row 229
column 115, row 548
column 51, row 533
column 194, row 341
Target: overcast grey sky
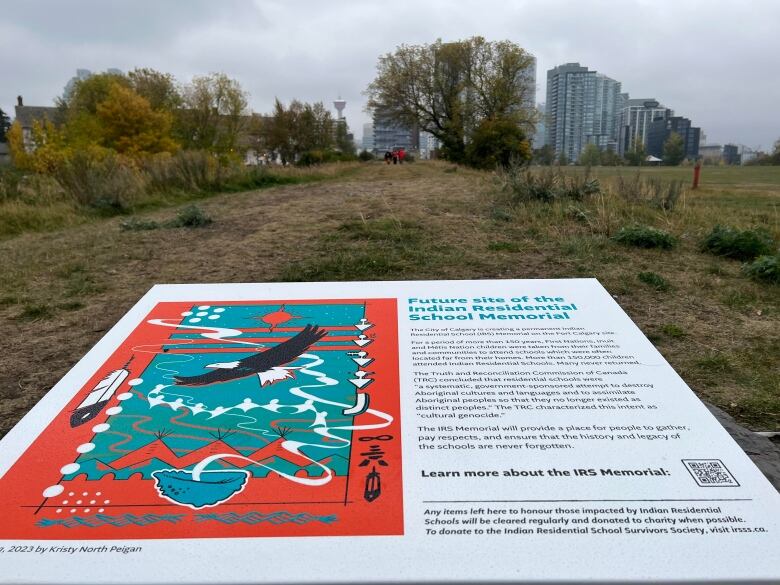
column 713, row 61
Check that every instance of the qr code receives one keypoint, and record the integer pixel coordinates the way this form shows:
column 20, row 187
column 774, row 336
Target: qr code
column 710, row 473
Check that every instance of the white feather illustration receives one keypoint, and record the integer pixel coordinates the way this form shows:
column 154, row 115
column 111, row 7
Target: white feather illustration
column 104, row 389
column 274, row 375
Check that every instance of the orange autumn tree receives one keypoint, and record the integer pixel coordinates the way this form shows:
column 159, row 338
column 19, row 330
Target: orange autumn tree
column 104, row 116
column 129, row 125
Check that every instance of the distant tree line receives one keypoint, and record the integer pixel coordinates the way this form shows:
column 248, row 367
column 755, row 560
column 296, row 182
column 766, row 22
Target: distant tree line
column 768, row 159
column 306, row 133
column 146, row 113
column 592, row 155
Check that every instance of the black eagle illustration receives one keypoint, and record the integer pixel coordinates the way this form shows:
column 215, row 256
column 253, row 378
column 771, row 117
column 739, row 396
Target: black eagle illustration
column 265, row 365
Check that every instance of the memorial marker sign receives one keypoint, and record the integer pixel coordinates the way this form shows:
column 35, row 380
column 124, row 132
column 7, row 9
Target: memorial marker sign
column 407, row 432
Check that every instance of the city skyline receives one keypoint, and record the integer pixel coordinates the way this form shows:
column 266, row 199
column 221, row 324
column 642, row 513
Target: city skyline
column 315, row 52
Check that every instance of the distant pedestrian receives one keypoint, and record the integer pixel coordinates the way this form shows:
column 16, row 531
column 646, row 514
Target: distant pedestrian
column 401, row 155
column 388, row 156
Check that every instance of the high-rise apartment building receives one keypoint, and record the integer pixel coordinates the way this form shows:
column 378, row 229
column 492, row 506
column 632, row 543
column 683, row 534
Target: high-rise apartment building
column 662, row 127
column 368, row 137
column 540, row 135
column 731, row 154
column 389, row 134
column 529, row 80
column 634, row 119
column 581, row 107
column 429, row 144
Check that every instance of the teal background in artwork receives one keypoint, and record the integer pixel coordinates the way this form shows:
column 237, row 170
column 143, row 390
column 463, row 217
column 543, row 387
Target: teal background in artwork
column 186, row 419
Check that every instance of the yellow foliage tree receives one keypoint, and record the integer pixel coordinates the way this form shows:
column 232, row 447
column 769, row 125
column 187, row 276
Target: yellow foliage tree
column 130, row 126
column 51, row 148
column 19, row 155
column 46, row 150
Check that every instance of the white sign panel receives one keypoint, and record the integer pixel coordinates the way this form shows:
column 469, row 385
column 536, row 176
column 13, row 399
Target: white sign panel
column 518, row 431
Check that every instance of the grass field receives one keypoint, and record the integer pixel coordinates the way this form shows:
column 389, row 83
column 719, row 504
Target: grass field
column 64, row 285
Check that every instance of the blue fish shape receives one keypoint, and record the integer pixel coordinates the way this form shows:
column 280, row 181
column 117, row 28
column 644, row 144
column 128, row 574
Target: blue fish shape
column 213, row 487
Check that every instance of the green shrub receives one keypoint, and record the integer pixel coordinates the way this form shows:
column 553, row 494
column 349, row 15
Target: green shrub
column 504, row 247
column 135, row 224
column 497, row 143
column 578, row 214
column 655, row 281
column 718, row 363
column 366, row 156
column 258, row 177
column 35, row 312
column 673, row 330
column 764, row 269
column 318, row 157
column 500, row 214
column 644, row 237
column 521, row 184
column 581, row 188
column 386, row 230
column 742, row 245
column 190, row 217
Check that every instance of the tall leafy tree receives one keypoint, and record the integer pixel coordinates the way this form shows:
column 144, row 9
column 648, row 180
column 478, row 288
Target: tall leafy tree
column 129, row 125
column 158, row 88
column 590, row 156
column 88, row 93
column 449, row 89
column 81, row 127
column 544, row 155
column 637, row 155
column 674, row 150
column 214, row 112
column 316, row 127
column 298, row 128
column 5, row 125
column 279, row 129
column 342, row 141
column 609, row 158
